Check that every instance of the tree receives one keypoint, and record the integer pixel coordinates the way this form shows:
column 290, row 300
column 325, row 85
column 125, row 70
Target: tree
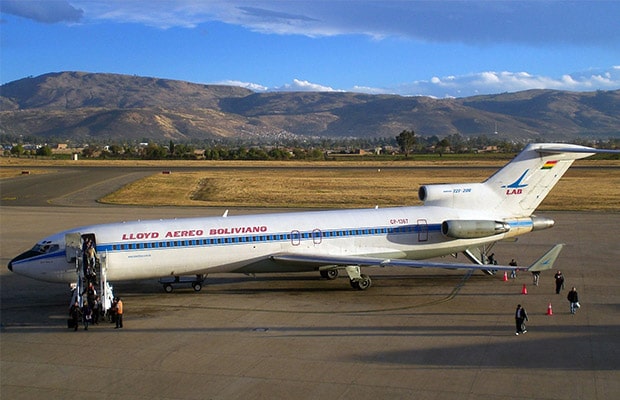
column 278, row 154
column 115, row 150
column 442, row 145
column 17, row 150
column 88, row 152
column 44, row 151
column 407, row 141
column 154, row 152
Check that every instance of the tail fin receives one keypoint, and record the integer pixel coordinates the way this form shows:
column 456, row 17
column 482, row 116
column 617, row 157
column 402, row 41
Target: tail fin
column 524, row 183
column 516, row 189
column 546, row 261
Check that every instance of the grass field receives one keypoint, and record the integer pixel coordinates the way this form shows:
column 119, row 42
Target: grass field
column 579, row 189
column 350, row 184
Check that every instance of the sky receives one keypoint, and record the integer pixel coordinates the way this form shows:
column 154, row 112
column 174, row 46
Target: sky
column 431, row 48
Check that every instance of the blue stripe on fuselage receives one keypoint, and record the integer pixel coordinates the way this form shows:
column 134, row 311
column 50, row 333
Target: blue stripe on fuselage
column 294, row 236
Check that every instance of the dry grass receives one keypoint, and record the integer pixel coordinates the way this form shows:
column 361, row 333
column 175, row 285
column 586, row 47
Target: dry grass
column 11, row 172
column 579, row 189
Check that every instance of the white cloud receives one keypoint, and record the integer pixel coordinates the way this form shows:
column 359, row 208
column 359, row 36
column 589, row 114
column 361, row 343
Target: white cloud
column 370, row 90
column 299, row 85
column 248, row 85
column 489, row 82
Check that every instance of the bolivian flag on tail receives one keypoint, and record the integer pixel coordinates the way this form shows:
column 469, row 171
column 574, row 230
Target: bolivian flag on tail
column 549, row 164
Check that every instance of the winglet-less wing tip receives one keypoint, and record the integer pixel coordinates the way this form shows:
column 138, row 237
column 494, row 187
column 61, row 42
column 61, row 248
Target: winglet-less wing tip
column 546, row 261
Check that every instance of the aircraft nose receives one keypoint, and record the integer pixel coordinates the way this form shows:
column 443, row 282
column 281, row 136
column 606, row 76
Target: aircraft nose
column 20, row 257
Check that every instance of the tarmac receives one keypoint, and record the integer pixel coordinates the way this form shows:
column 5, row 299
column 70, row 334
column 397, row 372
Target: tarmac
column 416, row 333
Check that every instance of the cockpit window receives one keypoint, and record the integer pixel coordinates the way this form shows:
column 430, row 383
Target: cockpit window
column 45, row 247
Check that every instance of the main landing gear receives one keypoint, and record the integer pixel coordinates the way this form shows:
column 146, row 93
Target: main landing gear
column 196, row 282
column 363, row 283
column 357, row 280
column 330, row 274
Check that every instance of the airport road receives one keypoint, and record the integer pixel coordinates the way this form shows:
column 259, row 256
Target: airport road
column 67, row 186
column 420, row 334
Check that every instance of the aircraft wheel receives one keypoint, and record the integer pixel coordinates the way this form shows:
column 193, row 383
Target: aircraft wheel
column 197, row 286
column 329, row 274
column 364, row 283
column 168, row 288
column 354, row 284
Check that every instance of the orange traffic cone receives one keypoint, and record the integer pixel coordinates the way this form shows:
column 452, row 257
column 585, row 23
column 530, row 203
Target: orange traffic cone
column 524, row 290
column 549, row 310
column 505, row 277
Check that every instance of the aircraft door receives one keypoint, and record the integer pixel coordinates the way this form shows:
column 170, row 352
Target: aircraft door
column 73, row 246
column 422, row 230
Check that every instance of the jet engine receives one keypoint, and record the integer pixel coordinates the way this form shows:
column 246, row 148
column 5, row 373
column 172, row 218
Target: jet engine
column 458, row 195
column 471, row 229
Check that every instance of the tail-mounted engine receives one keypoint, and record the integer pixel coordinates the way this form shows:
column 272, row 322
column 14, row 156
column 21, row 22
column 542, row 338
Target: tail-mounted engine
column 471, row 229
column 458, row 195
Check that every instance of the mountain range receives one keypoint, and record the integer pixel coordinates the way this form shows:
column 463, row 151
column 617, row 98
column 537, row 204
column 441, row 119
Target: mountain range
column 83, row 106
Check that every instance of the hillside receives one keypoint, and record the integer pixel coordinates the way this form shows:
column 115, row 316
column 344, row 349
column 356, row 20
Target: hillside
column 78, row 105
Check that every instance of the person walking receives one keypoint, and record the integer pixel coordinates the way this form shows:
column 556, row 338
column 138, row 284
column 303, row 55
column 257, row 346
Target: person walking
column 74, row 313
column 573, row 298
column 492, row 259
column 513, row 273
column 559, row 282
column 87, row 314
column 96, row 310
column 535, row 277
column 520, row 318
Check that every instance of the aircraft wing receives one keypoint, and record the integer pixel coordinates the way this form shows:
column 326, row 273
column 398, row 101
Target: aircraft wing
column 543, row 263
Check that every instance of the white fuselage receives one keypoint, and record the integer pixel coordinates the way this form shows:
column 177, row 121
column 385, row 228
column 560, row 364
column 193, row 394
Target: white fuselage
column 160, row 248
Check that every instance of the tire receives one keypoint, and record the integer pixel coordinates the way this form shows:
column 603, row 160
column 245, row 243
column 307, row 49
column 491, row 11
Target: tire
column 197, row 286
column 364, row 283
column 329, row 274
column 332, row 274
column 168, row 288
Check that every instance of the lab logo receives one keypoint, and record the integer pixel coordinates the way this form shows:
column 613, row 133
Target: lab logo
column 516, row 187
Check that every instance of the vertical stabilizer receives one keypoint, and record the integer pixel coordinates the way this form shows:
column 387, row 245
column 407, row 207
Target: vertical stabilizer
column 523, row 183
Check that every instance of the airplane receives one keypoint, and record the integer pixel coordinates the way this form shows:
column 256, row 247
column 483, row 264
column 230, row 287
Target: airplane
column 454, row 218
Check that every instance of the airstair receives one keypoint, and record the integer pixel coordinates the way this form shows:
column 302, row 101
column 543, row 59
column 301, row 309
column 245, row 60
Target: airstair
column 75, row 251
column 479, row 255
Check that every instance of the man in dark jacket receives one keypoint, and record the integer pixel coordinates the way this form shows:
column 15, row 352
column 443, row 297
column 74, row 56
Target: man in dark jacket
column 520, row 318
column 573, row 298
column 559, row 282
column 74, row 313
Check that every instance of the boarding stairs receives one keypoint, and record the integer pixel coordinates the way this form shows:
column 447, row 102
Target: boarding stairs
column 74, row 246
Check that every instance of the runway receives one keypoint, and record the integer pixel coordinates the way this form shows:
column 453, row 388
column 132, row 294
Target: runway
column 420, row 334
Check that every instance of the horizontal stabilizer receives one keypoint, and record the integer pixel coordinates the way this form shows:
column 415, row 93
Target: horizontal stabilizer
column 575, row 149
column 546, row 261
